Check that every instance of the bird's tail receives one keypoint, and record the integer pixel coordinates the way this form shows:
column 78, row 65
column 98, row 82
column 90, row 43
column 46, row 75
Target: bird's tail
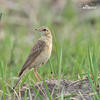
column 19, row 79
column 21, row 72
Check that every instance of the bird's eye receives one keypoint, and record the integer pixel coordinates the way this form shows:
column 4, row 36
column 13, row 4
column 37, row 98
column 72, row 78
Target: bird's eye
column 44, row 29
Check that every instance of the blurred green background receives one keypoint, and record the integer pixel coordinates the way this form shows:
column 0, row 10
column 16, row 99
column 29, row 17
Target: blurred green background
column 76, row 39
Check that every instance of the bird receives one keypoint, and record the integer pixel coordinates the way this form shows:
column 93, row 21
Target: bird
column 39, row 54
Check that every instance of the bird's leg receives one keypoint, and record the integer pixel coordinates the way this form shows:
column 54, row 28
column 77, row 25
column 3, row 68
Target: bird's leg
column 35, row 72
column 39, row 75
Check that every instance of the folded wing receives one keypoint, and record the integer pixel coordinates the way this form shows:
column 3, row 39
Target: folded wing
column 36, row 50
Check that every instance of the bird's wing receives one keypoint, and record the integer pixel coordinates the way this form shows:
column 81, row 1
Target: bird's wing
column 36, row 50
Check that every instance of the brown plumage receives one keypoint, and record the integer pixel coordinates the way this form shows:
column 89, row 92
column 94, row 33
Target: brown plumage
column 39, row 54
column 36, row 50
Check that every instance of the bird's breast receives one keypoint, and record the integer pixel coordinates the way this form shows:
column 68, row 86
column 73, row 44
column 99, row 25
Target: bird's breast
column 44, row 55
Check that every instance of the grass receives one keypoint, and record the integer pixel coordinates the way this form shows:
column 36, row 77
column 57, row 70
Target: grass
column 76, row 51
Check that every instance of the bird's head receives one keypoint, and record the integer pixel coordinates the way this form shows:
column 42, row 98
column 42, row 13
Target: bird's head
column 45, row 31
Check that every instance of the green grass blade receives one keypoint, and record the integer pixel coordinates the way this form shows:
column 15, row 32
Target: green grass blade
column 60, row 64
column 25, row 96
column 62, row 95
column 90, row 61
column 93, row 87
column 51, row 67
column 48, row 93
column 95, row 69
column 37, row 93
column 93, row 66
column 35, row 98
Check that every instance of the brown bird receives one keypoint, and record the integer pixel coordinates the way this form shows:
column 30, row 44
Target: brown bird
column 39, row 54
